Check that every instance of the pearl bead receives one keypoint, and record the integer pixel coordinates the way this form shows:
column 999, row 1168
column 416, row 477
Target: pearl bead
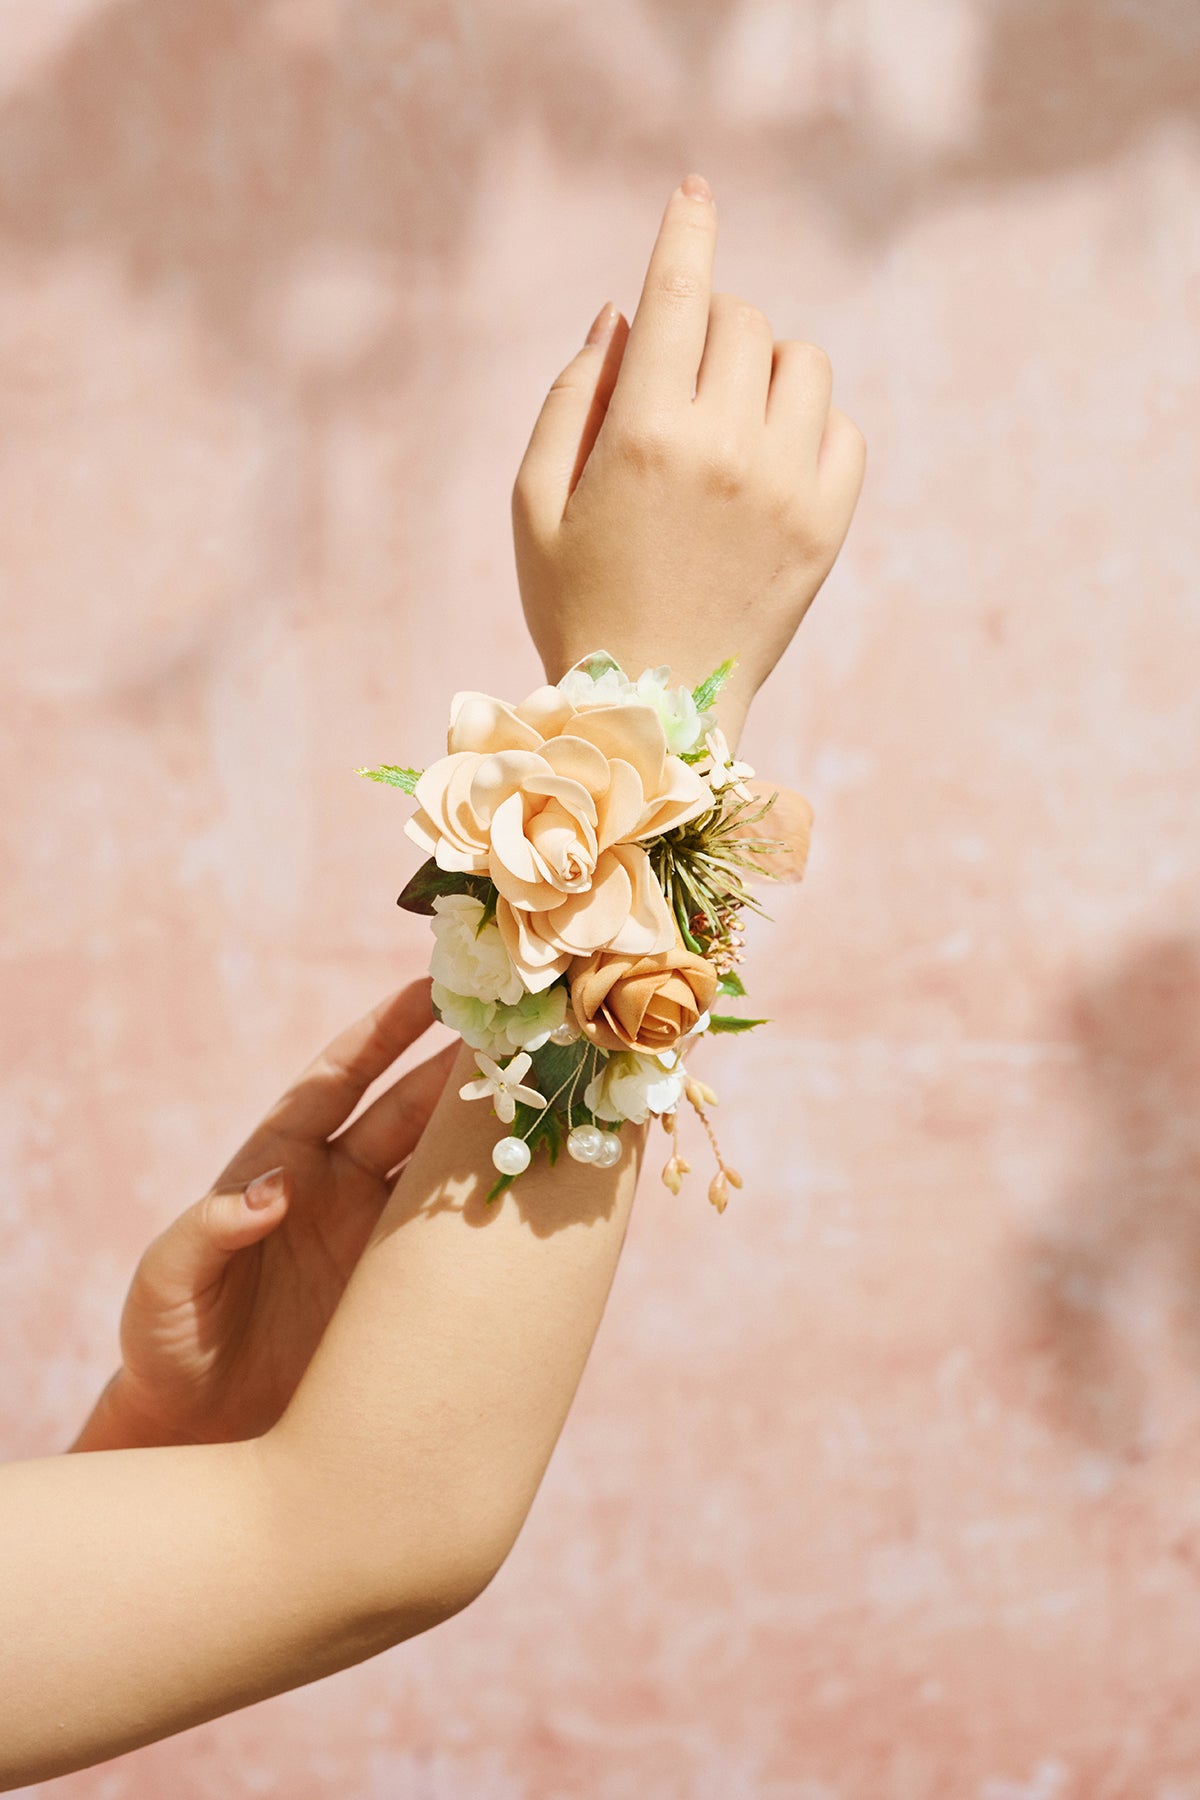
column 566, row 1033
column 584, row 1143
column 609, row 1153
column 511, row 1155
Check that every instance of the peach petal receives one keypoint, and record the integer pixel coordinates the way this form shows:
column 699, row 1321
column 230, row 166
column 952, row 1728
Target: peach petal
column 449, row 856
column 538, row 963
column 584, row 922
column 622, row 806
column 581, row 761
column 685, row 796
column 559, row 841
column 547, row 709
column 422, row 830
column 480, row 723
column 459, row 819
column 650, row 925
column 432, row 787
column 634, row 734
column 518, row 872
column 498, row 776
column 569, row 793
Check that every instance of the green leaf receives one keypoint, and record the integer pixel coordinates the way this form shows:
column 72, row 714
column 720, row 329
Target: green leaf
column 430, row 881
column 681, row 920
column 489, row 907
column 727, row 1022
column 391, row 776
column 710, row 687
column 731, row 984
column 497, row 1188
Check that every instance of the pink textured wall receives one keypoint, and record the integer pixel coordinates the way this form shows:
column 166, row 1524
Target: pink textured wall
column 886, row 1484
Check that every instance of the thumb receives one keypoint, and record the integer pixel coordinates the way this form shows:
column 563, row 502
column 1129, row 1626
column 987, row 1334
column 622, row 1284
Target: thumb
column 193, row 1251
column 572, row 414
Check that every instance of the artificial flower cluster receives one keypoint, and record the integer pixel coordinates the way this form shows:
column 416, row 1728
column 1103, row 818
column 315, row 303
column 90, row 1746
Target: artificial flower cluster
column 585, row 882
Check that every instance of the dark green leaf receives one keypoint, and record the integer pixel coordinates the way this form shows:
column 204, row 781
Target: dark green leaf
column 727, row 1022
column 731, row 984
column 391, row 776
column 430, row 881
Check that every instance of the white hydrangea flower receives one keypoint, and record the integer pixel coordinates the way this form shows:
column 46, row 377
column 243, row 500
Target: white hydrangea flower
column 612, row 689
column 631, row 1086
column 469, row 961
column 683, row 724
column 473, row 1020
column 501, row 1030
column 528, row 1025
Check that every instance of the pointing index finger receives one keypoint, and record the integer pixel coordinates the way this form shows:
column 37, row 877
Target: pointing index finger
column 666, row 338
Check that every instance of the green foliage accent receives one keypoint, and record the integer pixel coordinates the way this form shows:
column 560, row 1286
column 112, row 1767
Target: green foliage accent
column 430, row 881
column 489, row 907
column 727, row 1022
column 561, row 1072
column 600, row 664
column 391, row 776
column 710, row 687
column 681, row 919
column 731, row 984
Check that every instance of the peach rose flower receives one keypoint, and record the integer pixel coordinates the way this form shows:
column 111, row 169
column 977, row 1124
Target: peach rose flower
column 552, row 804
column 644, row 1003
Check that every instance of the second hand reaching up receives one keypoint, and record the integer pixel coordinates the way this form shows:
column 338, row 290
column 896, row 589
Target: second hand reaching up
column 688, row 483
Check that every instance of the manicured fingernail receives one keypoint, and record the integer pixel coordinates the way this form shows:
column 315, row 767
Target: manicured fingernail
column 602, row 324
column 696, row 188
column 266, row 1189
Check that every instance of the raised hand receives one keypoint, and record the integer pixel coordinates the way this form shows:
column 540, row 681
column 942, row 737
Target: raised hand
column 688, row 484
column 228, row 1304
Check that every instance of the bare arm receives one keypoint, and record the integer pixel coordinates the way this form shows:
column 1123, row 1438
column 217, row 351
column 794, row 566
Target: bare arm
column 144, row 1591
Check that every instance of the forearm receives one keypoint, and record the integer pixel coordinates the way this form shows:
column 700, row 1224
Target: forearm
column 145, row 1591
column 448, row 1370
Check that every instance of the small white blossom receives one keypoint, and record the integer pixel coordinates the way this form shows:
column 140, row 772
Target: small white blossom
column 503, row 1085
column 467, row 959
column 719, row 768
column 631, row 1086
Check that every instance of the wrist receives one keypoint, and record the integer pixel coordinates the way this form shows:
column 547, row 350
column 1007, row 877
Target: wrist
column 115, row 1424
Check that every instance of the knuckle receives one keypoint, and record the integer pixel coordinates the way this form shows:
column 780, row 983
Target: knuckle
column 567, row 380
column 645, row 443
column 741, row 315
column 849, row 433
column 679, row 285
column 812, row 354
column 726, row 467
column 524, row 506
column 751, row 318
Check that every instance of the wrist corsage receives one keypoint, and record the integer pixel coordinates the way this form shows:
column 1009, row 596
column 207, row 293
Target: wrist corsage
column 588, row 852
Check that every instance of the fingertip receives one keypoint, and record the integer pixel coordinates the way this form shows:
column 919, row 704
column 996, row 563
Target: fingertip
column 267, row 1190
